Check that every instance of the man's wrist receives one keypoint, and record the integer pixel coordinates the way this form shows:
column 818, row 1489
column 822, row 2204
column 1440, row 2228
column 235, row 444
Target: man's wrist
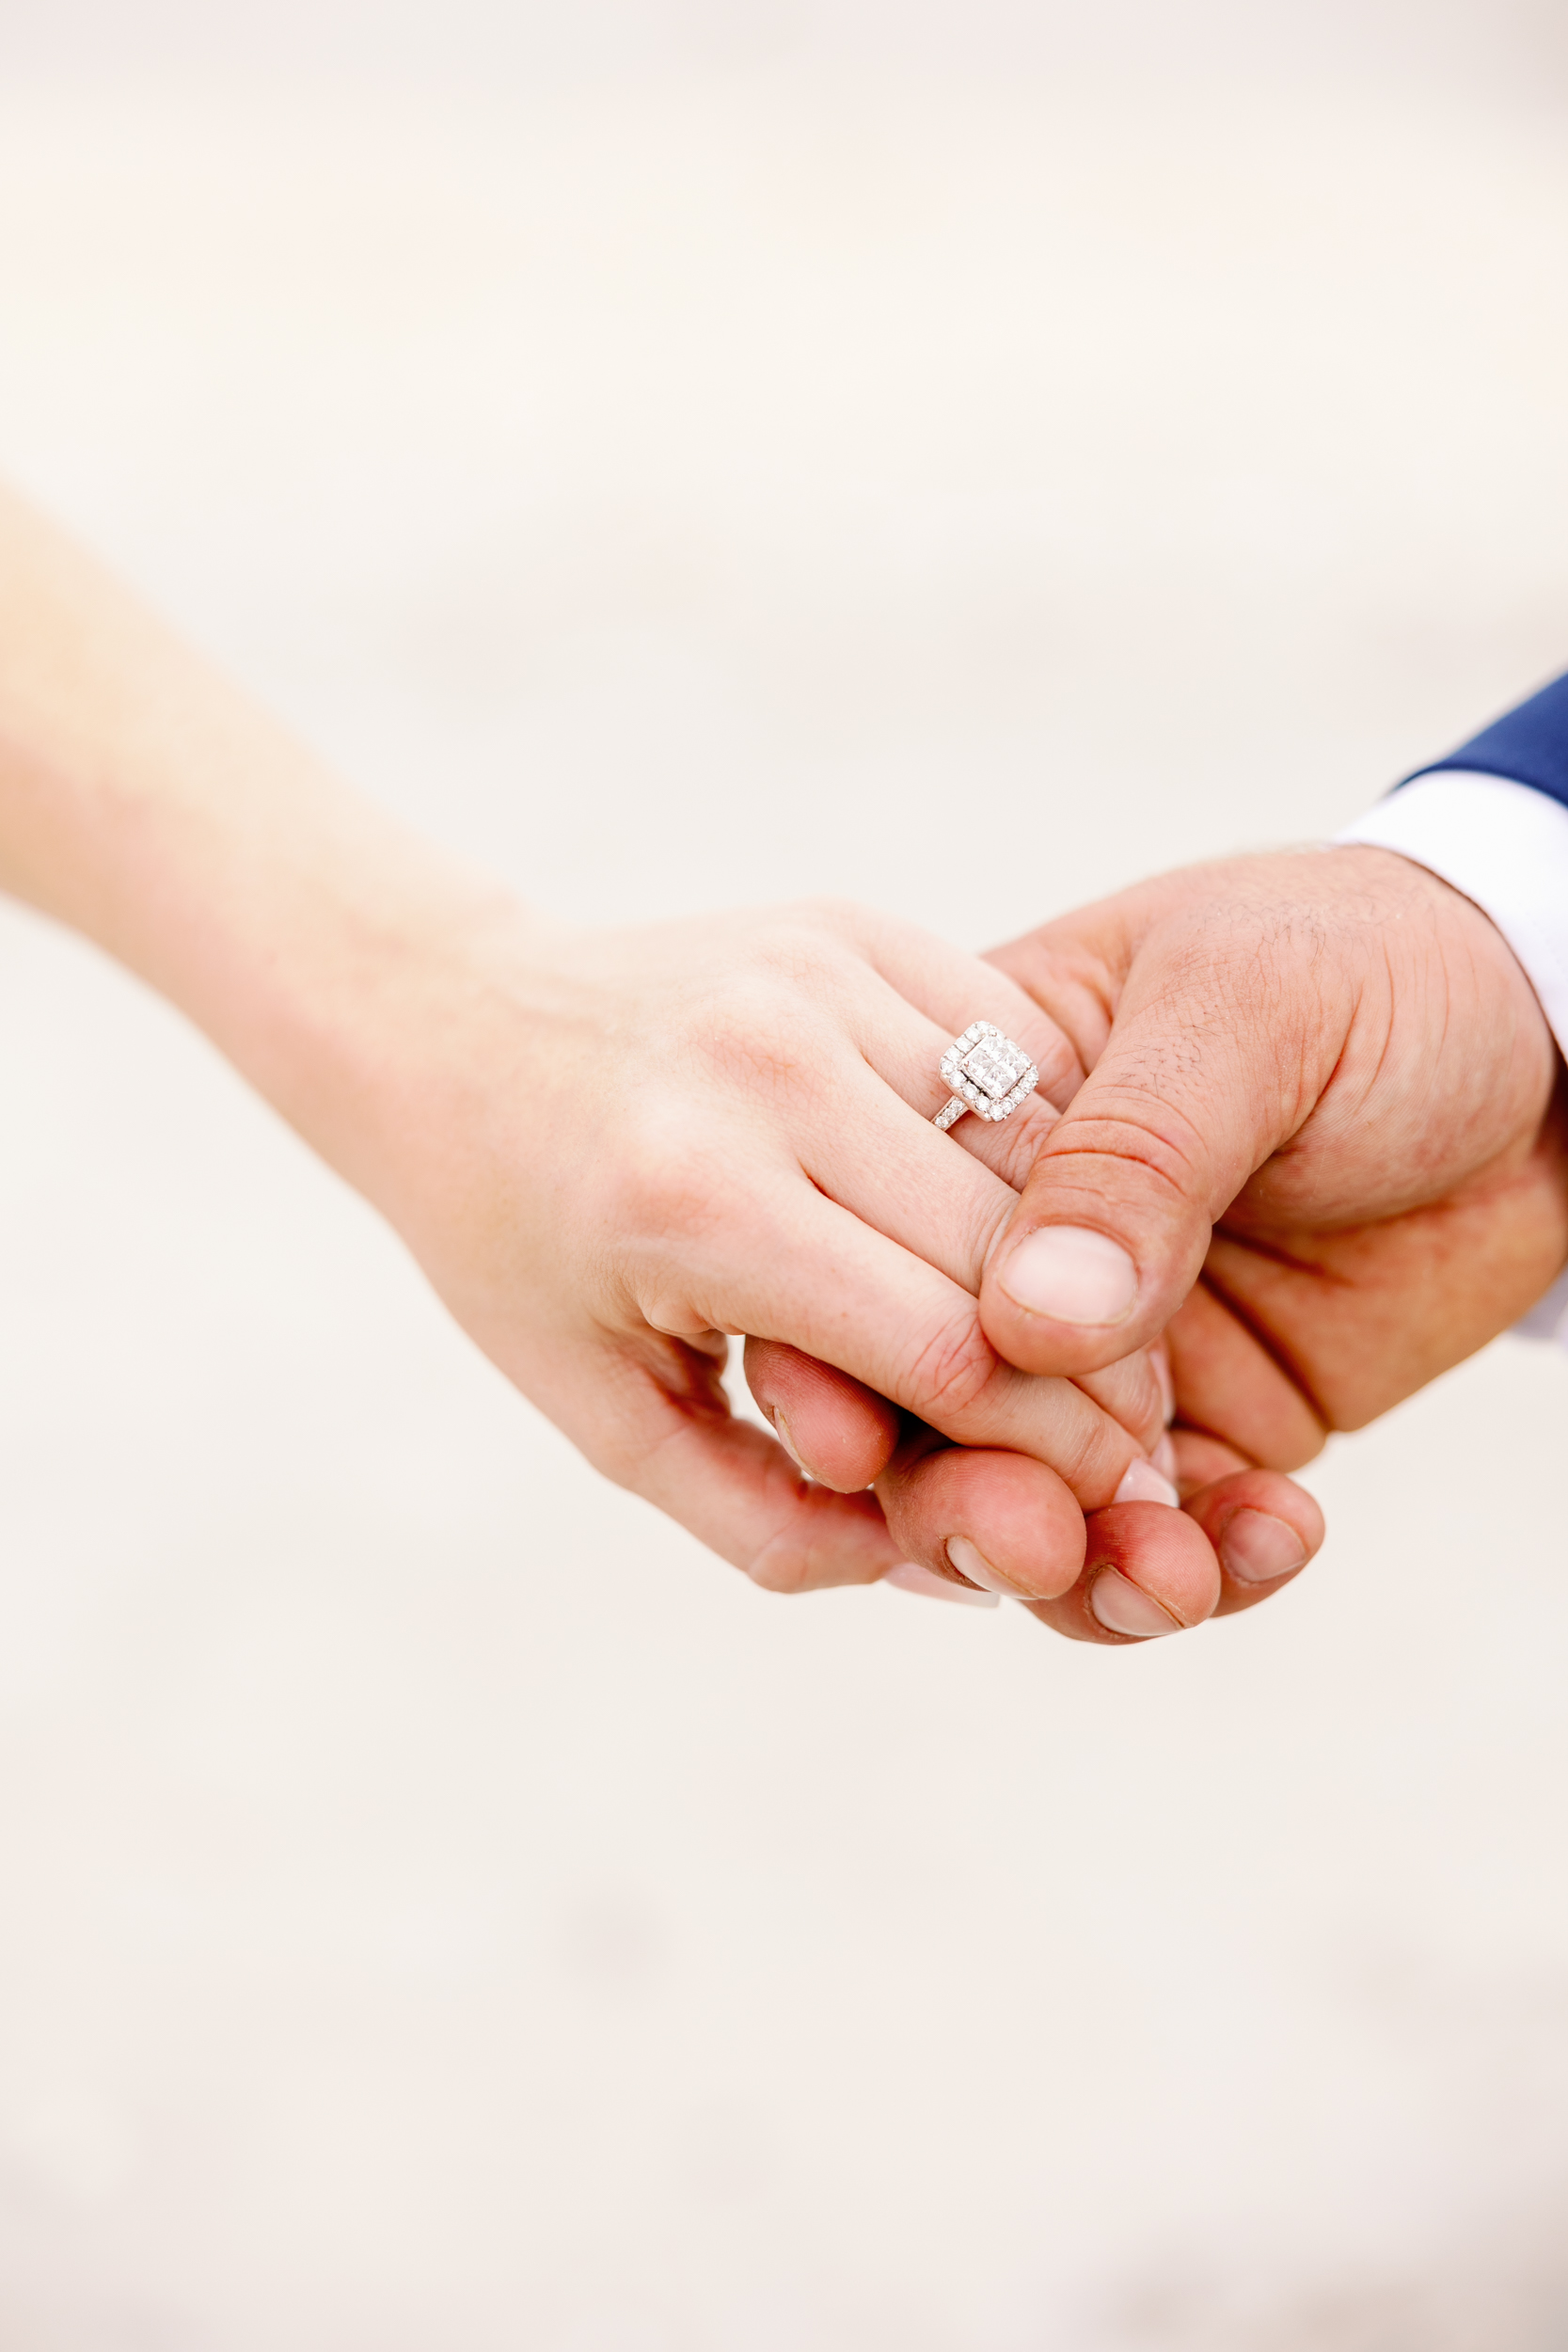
column 1504, row 846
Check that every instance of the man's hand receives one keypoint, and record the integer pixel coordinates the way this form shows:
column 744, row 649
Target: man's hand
column 1322, row 1080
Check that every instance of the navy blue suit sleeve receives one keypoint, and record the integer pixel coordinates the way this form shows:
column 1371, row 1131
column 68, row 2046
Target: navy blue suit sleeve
column 1530, row 745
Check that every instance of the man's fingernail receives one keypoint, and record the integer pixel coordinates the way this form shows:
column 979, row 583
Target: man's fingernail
column 781, row 1431
column 1142, row 1483
column 1167, row 1385
column 1256, row 1547
column 1073, row 1274
column 971, row 1562
column 911, row 1577
column 1163, row 1458
column 1122, row 1608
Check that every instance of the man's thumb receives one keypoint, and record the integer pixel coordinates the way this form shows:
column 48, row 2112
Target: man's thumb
column 1190, row 1096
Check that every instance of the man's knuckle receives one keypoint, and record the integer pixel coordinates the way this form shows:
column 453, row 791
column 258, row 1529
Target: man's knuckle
column 1143, row 1131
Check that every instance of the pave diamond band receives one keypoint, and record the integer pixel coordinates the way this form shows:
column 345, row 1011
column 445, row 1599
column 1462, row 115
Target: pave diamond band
column 988, row 1073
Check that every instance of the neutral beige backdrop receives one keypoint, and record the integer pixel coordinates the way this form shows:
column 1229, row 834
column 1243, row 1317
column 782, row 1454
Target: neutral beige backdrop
column 686, row 456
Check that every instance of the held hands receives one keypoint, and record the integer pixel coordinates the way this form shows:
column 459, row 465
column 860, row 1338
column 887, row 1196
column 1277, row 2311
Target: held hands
column 610, row 1152
column 1320, row 1145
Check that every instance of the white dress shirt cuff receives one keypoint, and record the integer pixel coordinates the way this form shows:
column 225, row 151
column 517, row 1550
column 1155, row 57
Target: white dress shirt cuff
column 1506, row 846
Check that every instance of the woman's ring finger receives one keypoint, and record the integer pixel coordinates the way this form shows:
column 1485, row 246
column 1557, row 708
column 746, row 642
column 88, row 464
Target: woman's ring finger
column 986, row 1074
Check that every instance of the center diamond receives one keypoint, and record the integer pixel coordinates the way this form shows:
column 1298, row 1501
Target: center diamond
column 996, row 1066
column 988, row 1073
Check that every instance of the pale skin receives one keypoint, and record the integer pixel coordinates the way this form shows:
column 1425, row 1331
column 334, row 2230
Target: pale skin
column 609, row 1152
column 1319, row 1142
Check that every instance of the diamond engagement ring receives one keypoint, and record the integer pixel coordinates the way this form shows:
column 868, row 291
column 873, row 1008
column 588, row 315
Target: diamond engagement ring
column 988, row 1074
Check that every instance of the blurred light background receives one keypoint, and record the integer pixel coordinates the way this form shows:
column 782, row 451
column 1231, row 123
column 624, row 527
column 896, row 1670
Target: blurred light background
column 683, row 455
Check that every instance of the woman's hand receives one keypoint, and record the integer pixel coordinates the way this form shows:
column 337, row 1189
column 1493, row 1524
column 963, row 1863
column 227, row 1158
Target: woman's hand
column 608, row 1152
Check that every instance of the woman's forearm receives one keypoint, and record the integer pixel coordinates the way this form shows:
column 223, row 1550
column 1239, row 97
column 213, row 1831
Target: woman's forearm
column 148, row 806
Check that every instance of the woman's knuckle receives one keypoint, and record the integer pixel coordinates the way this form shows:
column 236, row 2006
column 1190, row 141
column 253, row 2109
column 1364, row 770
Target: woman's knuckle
column 954, row 1369
column 827, row 911
column 782, row 1568
column 1022, row 1139
column 666, row 1188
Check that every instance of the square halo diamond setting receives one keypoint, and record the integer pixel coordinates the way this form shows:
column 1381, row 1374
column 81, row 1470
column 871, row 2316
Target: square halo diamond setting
column 988, row 1071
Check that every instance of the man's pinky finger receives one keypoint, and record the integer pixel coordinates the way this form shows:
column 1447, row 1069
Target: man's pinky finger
column 1264, row 1529
column 1149, row 1570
